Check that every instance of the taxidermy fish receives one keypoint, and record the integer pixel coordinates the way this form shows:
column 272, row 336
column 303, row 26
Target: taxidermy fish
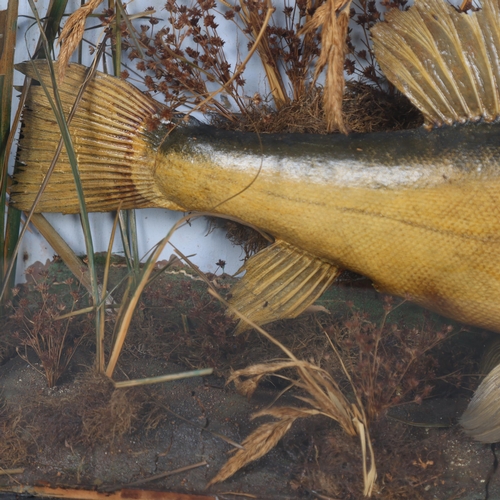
column 416, row 211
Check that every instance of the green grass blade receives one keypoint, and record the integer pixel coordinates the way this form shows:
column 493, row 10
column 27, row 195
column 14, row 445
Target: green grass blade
column 100, row 332
column 116, row 48
column 52, row 23
column 66, row 138
column 9, row 234
column 128, row 224
column 133, row 235
column 132, row 266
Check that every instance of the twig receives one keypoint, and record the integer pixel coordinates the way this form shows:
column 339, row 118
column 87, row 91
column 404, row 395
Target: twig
column 8, row 472
column 238, row 494
column 242, row 65
column 156, row 476
column 163, row 378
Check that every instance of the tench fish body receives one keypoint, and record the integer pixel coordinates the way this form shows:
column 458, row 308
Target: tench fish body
column 416, row 211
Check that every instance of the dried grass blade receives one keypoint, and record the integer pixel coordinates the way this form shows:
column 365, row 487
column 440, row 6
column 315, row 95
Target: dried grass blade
column 283, row 412
column 164, row 378
column 369, row 477
column 8, row 472
column 101, row 327
column 128, row 309
column 72, row 261
column 131, row 29
column 261, row 369
column 252, row 19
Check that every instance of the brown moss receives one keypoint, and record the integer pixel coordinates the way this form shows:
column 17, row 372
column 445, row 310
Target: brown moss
column 92, row 413
column 13, row 446
column 366, row 109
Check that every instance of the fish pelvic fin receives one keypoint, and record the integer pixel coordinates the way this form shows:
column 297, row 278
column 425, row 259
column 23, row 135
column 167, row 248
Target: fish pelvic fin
column 445, row 61
column 280, row 282
column 481, row 419
column 113, row 140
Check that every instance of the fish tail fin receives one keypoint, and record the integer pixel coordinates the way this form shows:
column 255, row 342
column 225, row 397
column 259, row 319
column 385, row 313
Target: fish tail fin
column 481, row 419
column 111, row 135
column 445, row 61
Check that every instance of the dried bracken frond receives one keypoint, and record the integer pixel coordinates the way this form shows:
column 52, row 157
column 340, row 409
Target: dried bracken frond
column 72, row 33
column 333, row 18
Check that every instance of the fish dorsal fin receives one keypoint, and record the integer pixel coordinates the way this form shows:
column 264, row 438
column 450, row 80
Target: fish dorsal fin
column 280, row 282
column 446, row 62
column 481, row 419
column 111, row 137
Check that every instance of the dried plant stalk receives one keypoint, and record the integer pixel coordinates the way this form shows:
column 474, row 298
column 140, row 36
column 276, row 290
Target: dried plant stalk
column 333, row 18
column 326, row 398
column 252, row 19
column 72, row 33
